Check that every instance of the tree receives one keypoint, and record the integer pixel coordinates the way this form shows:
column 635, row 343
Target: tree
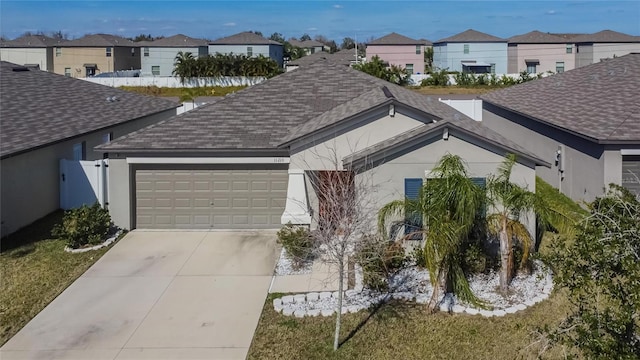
column 601, row 270
column 326, row 42
column 348, row 43
column 305, row 37
column 378, row 68
column 184, row 66
column 59, row 35
column 276, row 36
column 428, row 59
column 256, row 32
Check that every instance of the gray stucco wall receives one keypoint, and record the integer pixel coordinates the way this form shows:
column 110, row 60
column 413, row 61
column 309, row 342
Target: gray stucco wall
column 31, row 181
column 272, row 51
column 584, row 54
column 452, row 54
column 125, row 59
column 164, row 57
column 120, row 192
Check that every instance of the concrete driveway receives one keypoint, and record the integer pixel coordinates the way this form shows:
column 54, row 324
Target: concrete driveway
column 158, row 295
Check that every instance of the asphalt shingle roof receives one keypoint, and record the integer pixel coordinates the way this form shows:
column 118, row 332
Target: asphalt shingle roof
column 470, row 36
column 32, row 41
column 344, row 57
column 244, row 38
column 396, row 39
column 178, row 40
column 599, row 101
column 100, row 40
column 537, row 37
column 605, row 36
column 305, row 43
column 38, row 108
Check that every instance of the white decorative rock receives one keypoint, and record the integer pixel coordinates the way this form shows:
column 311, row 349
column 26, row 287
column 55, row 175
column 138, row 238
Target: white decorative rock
column 472, row 311
column 277, row 302
column 300, row 313
column 486, row 313
column 313, row 296
column 278, row 307
column 499, row 313
column 547, row 289
column 287, row 311
column 544, row 296
column 458, row 309
column 521, row 307
column 351, row 293
column 324, row 295
column 511, row 310
column 529, row 302
column 344, row 310
column 313, row 312
column 353, row 308
column 422, row 298
column 287, row 299
column 327, row 312
column 299, row 299
column 444, row 307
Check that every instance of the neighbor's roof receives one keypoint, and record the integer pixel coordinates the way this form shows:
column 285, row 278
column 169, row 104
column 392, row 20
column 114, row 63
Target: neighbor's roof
column 100, row 40
column 605, row 36
column 598, row 101
column 175, row 41
column 344, row 57
column 32, row 41
column 306, row 43
column 291, row 106
column 244, row 38
column 470, row 36
column 396, row 39
column 537, row 37
column 38, row 108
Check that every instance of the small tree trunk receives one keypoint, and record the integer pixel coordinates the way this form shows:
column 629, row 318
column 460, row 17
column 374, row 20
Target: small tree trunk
column 436, row 292
column 506, row 263
column 336, row 338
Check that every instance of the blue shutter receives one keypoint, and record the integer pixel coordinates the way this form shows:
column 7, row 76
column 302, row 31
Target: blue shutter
column 482, row 182
column 412, row 221
column 411, row 188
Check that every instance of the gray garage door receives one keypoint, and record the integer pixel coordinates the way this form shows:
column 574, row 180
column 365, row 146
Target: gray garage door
column 631, row 173
column 204, row 199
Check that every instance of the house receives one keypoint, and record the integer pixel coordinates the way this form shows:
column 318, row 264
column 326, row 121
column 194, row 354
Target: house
column 586, row 122
column 47, row 117
column 30, row 50
column 255, row 159
column 346, row 57
column 471, row 51
column 309, row 46
column 158, row 56
column 537, row 52
column 249, row 44
column 399, row 50
column 94, row 54
column 606, row 44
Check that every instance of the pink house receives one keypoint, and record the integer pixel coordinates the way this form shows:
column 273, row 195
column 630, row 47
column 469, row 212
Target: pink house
column 399, row 50
column 537, row 52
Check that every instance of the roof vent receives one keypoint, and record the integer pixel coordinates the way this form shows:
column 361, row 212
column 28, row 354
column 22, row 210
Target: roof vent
column 20, row 68
column 387, row 93
column 112, row 98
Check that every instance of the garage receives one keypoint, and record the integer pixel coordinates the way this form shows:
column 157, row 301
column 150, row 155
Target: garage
column 631, row 173
column 210, row 198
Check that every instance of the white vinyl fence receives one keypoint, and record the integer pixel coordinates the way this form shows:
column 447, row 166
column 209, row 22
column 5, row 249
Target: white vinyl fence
column 174, row 82
column 472, row 108
column 83, row 183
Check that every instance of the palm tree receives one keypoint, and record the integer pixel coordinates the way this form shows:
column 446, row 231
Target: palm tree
column 448, row 204
column 184, row 66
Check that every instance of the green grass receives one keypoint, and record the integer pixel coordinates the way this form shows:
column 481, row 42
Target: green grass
column 178, row 92
column 34, row 269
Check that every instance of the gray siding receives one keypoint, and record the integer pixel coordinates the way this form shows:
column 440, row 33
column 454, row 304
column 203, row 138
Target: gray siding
column 584, row 55
column 164, row 57
column 270, row 51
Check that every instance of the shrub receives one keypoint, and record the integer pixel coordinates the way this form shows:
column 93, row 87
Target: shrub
column 297, row 243
column 86, row 225
column 379, row 259
column 475, row 260
column 418, row 258
column 436, row 78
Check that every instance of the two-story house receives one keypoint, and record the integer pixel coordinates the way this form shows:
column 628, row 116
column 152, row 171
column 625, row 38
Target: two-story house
column 538, row 52
column 309, row 46
column 249, row 44
column 158, row 57
column 94, row 54
column 400, row 50
column 471, row 51
column 605, row 44
column 30, row 50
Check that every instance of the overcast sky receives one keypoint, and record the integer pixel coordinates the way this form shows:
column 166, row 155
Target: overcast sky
column 431, row 20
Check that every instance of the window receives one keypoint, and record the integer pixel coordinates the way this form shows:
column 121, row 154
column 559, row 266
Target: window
column 146, row 51
column 249, row 51
column 67, row 72
column 493, row 68
column 155, row 70
column 418, row 49
column 466, row 48
column 560, row 67
column 569, row 48
column 531, row 68
column 80, row 151
column 106, row 138
column 412, row 221
column 409, row 69
column 90, row 71
column 58, row 51
column 108, row 52
column 133, row 51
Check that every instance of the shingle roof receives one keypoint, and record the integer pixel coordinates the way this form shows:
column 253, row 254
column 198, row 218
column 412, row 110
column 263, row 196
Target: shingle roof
column 175, row 41
column 32, row 41
column 244, row 38
column 471, row 36
column 306, row 43
column 100, row 40
column 38, row 108
column 598, row 101
column 536, row 37
column 344, row 57
column 605, row 36
column 396, row 39
column 269, row 115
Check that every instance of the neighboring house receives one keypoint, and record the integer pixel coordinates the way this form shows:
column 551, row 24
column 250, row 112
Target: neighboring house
column 309, row 46
column 94, row 54
column 30, row 50
column 585, row 121
column 249, row 44
column 471, row 52
column 606, row 44
column 399, row 50
column 249, row 160
column 346, row 57
column 158, row 57
column 48, row 117
column 537, row 52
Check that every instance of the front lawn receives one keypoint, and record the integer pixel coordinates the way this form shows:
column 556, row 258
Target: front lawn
column 34, row 269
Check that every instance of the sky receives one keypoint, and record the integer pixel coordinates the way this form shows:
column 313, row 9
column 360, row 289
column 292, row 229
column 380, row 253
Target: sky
column 335, row 19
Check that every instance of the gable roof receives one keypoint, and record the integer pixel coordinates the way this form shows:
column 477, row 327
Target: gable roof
column 244, row 38
column 32, row 41
column 306, row 43
column 598, row 102
column 536, row 37
column 396, row 39
column 470, row 36
column 178, row 40
column 38, row 108
column 343, row 57
column 269, row 116
column 100, row 40
column 605, row 36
